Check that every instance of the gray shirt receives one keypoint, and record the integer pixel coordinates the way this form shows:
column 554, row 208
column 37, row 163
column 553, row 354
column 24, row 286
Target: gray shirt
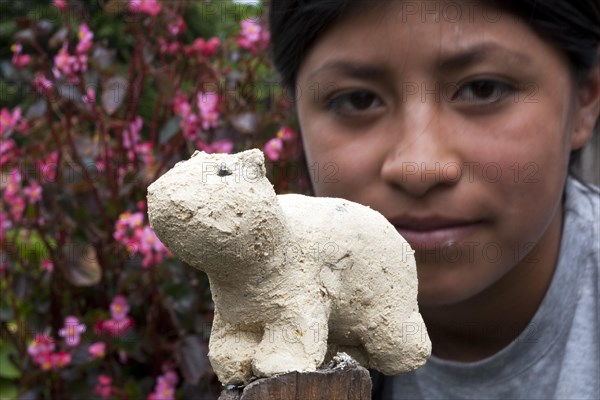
column 558, row 355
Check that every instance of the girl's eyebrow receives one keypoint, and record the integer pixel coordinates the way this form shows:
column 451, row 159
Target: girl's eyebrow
column 481, row 52
column 354, row 69
column 452, row 62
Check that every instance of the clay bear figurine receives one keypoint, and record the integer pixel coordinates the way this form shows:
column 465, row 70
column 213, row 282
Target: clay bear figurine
column 294, row 279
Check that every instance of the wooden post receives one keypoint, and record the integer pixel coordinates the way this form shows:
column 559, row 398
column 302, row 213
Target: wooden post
column 348, row 381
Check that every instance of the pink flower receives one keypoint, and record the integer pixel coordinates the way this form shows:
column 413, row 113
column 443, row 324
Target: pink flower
column 207, row 105
column 252, row 36
column 206, row 48
column 18, row 121
column 44, row 360
column 60, row 4
column 33, row 192
column 167, row 47
column 5, row 225
column 86, row 37
column 113, row 327
column 5, row 121
column 222, row 146
column 144, row 151
column 60, row 360
column 273, row 149
column 10, row 121
column 41, row 344
column 131, row 135
column 135, row 220
column 151, row 247
column 69, row 65
column 64, row 61
column 47, row 265
column 126, row 225
column 72, row 331
column 97, row 349
column 18, row 59
column 189, row 120
column 251, row 30
column 177, row 27
column 164, row 393
column 165, row 387
column 16, row 208
column 13, row 184
column 285, row 133
column 218, row 146
column 190, row 126
column 139, row 238
column 48, row 167
column 149, row 241
column 100, row 164
column 103, row 386
column 119, row 308
column 169, row 378
column 181, row 106
column 42, row 84
column 150, row 7
column 207, row 102
column 89, row 98
column 8, row 152
column 41, row 351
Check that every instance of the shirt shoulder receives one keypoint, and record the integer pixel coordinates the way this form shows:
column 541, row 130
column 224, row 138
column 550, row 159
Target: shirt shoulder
column 582, row 220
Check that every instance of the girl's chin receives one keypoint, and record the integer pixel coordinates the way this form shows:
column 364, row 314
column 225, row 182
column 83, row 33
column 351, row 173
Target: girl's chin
column 437, row 291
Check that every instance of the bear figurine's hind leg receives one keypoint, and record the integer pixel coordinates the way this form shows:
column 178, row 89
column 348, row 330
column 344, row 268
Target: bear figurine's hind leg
column 396, row 344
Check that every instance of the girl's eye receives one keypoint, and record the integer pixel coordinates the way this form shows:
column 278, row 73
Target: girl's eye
column 354, row 102
column 484, row 91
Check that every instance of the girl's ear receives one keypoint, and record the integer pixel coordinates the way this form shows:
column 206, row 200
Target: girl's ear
column 588, row 108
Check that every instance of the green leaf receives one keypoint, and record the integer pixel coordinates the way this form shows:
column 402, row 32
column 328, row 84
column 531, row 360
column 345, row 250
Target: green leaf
column 7, row 368
column 133, row 390
column 8, row 390
column 169, row 130
column 32, row 247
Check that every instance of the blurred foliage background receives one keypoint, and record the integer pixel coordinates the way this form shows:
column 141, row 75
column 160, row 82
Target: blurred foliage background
column 98, row 99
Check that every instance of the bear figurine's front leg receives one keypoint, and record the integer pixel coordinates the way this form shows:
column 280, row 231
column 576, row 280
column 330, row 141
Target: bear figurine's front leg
column 297, row 341
column 231, row 351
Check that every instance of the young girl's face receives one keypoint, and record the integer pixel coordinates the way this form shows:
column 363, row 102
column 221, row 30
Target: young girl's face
column 456, row 123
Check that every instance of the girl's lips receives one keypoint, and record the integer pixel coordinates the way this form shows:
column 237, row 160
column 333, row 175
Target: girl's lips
column 433, row 233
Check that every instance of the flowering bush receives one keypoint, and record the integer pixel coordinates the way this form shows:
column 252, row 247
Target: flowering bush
column 102, row 98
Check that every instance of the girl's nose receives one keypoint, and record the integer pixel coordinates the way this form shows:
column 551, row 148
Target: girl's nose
column 423, row 158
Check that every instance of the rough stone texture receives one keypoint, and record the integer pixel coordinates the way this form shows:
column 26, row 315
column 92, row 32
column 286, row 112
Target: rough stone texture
column 294, row 279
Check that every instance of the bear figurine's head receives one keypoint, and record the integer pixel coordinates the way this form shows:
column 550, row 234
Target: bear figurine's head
column 215, row 207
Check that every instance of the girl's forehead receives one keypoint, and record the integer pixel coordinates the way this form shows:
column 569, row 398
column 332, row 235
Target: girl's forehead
column 449, row 17
column 449, row 34
column 426, row 10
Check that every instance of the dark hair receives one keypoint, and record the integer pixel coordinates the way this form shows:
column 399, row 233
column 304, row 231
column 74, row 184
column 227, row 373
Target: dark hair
column 573, row 26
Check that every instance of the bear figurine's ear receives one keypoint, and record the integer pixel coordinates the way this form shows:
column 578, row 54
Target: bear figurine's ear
column 253, row 164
